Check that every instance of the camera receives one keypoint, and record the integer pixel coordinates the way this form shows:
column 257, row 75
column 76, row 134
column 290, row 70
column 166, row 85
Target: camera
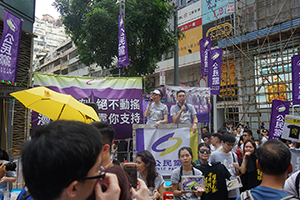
column 10, row 166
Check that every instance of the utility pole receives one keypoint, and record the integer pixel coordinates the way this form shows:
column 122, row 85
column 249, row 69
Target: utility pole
column 176, row 69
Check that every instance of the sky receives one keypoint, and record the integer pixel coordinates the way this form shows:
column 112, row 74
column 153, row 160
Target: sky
column 44, row 7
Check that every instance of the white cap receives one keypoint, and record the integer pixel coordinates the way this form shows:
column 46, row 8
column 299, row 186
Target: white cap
column 157, row 92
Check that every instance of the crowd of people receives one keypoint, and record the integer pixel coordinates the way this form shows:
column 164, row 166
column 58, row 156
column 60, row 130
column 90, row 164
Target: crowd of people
column 72, row 160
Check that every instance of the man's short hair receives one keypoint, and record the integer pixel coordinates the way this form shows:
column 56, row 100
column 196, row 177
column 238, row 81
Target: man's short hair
column 179, row 92
column 274, row 157
column 58, row 154
column 249, row 132
column 228, row 137
column 107, row 131
column 217, row 135
column 205, row 127
column 222, row 131
column 206, row 135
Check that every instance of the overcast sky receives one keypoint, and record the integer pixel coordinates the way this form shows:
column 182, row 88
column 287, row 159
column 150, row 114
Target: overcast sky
column 44, row 7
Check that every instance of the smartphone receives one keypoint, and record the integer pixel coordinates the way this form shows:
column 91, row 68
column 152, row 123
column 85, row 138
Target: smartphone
column 131, row 170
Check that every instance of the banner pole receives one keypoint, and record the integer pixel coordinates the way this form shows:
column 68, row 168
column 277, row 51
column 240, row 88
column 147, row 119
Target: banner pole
column 215, row 113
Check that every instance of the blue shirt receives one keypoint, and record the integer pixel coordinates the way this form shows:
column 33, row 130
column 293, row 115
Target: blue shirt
column 266, row 193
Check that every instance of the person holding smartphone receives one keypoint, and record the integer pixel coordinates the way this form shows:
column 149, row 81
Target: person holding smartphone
column 147, row 172
column 156, row 111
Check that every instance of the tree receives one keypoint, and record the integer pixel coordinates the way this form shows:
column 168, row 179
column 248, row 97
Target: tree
column 93, row 26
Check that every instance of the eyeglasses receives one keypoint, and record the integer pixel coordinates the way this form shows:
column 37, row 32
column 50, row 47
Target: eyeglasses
column 206, row 150
column 245, row 135
column 181, row 95
column 101, row 175
column 230, row 144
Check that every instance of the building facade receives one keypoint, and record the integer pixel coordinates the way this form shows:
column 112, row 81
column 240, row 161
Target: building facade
column 50, row 33
column 258, row 38
column 64, row 60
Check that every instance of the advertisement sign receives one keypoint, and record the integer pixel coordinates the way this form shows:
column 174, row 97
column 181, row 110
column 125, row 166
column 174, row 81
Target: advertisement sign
column 275, row 91
column 191, row 25
column 295, row 79
column 164, row 145
column 214, row 70
column 228, row 73
column 291, row 128
column 279, row 110
column 218, row 30
column 162, row 78
column 228, row 94
column 118, row 100
column 216, row 9
column 190, row 43
column 189, row 13
column 10, row 47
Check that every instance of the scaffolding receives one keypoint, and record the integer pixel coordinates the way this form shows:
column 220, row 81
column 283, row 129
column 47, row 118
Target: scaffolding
column 257, row 53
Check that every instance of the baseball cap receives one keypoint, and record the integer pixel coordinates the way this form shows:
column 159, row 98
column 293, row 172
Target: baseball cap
column 157, row 92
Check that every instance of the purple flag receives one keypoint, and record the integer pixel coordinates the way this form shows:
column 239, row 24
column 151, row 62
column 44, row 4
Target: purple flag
column 278, row 112
column 9, row 47
column 205, row 46
column 295, row 79
column 214, row 70
column 122, row 48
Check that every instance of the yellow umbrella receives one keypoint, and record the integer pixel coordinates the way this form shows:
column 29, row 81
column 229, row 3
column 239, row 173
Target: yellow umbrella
column 55, row 105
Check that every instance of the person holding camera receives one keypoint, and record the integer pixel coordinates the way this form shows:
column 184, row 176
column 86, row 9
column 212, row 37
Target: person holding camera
column 10, row 175
column 156, row 111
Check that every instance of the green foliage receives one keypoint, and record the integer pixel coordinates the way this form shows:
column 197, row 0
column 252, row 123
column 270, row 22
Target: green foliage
column 93, row 26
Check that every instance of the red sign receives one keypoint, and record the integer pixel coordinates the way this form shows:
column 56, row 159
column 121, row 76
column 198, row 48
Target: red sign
column 190, row 25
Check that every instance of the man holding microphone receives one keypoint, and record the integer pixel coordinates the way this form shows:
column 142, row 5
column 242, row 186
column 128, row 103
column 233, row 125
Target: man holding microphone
column 182, row 112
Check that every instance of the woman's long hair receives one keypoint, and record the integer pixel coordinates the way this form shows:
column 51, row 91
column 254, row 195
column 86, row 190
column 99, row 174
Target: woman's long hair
column 124, row 182
column 147, row 157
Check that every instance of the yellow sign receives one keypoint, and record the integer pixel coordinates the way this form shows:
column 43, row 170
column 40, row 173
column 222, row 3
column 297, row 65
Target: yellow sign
column 229, row 92
column 190, row 43
column 219, row 31
column 276, row 91
column 228, row 73
column 292, row 120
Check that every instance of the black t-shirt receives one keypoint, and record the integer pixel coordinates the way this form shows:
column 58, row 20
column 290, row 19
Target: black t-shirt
column 253, row 176
column 215, row 184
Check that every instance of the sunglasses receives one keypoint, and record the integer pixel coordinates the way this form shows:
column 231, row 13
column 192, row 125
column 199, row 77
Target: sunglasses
column 207, row 151
column 101, row 175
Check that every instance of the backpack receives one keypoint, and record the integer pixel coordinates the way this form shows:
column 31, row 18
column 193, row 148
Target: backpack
column 246, row 195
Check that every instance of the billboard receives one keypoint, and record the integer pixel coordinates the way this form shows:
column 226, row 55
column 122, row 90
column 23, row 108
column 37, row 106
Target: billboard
column 218, row 30
column 189, row 13
column 215, row 9
column 190, row 43
column 118, row 100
